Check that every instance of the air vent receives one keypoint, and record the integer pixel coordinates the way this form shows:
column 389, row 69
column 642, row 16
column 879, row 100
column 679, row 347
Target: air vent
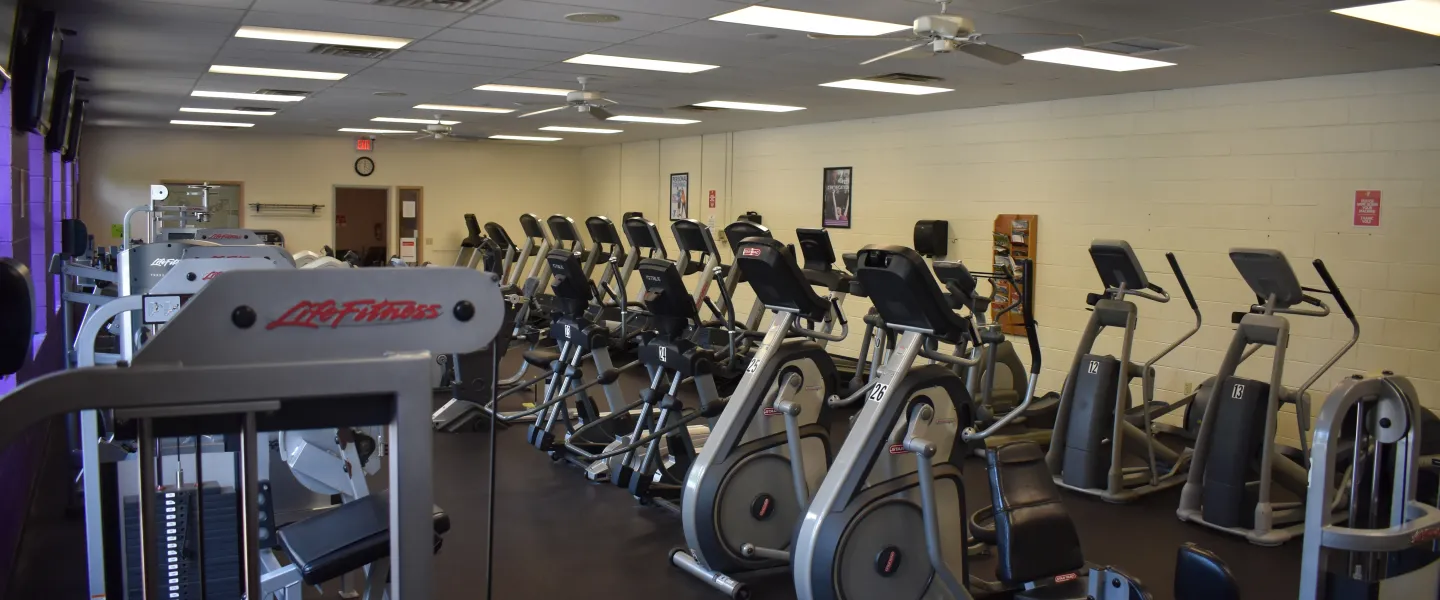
column 905, row 78
column 269, row 92
column 1134, row 46
column 465, row 6
column 350, row 51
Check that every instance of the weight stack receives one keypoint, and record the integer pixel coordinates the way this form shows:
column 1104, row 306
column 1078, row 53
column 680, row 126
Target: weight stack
column 180, row 551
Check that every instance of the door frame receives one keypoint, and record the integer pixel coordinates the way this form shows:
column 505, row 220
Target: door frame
column 419, row 220
column 391, row 204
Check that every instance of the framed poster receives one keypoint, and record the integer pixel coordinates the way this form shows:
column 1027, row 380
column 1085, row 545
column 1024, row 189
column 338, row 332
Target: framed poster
column 835, row 207
column 679, row 196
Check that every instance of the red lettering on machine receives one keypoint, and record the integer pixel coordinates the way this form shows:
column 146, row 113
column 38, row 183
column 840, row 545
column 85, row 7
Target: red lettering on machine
column 314, row 315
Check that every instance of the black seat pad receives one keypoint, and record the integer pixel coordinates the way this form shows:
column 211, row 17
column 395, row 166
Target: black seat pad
column 344, row 538
column 17, row 315
column 541, row 357
column 1201, row 575
column 1035, row 537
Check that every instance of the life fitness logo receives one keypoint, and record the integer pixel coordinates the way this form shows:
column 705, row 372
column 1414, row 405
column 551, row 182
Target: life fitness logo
column 314, row 315
column 750, row 251
column 211, row 275
column 224, row 236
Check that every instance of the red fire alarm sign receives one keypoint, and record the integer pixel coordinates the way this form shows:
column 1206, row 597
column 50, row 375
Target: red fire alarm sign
column 1367, row 208
column 712, row 198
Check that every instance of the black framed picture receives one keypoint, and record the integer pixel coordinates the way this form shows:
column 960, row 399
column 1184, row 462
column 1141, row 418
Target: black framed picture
column 837, row 202
column 679, row 196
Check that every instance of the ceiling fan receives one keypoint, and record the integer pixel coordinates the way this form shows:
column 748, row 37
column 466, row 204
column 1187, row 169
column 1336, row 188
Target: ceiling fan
column 586, row 101
column 442, row 132
column 945, row 33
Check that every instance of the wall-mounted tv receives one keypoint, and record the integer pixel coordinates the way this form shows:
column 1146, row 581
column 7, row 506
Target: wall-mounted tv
column 8, row 9
column 35, row 61
column 60, row 111
column 77, row 123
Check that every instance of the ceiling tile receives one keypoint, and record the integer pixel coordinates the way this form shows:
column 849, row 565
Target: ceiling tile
column 695, row 9
column 492, row 38
column 405, row 80
column 466, row 59
column 550, row 29
column 529, row 54
column 478, row 70
column 545, row 11
column 358, row 11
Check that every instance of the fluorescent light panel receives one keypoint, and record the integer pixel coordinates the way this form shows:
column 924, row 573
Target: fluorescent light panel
column 462, row 108
column 1092, row 59
column 210, row 123
column 521, row 89
column 795, row 20
column 419, row 121
column 669, row 66
column 887, row 87
column 749, row 106
column 525, row 138
column 244, row 96
column 263, row 72
column 580, row 129
column 660, row 120
column 364, row 130
column 1416, row 15
column 228, row 111
column 321, row 37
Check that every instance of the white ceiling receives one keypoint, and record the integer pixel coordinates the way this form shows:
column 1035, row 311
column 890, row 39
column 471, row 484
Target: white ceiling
column 144, row 57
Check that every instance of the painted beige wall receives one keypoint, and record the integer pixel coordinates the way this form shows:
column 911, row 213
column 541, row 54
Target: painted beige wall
column 1196, row 172
column 496, row 181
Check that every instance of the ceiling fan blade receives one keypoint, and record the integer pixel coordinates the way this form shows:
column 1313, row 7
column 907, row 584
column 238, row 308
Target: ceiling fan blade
column 897, row 52
column 887, row 37
column 993, row 54
column 1034, row 40
column 600, row 113
column 541, row 112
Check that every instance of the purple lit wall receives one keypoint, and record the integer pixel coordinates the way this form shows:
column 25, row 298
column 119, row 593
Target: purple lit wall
column 34, row 196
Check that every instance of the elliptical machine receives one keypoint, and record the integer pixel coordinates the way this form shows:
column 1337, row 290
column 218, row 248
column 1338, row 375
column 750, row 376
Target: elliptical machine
column 1095, row 403
column 1236, row 460
column 746, row 492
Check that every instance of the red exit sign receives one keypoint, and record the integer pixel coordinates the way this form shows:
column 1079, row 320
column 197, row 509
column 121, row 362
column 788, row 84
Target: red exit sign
column 364, row 144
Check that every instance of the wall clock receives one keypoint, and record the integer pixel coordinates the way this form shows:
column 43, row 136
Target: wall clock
column 364, row 166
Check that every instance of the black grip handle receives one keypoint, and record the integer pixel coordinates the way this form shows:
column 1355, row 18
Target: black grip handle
column 1236, row 316
column 1180, row 276
column 1093, row 299
column 1028, row 306
column 1334, row 289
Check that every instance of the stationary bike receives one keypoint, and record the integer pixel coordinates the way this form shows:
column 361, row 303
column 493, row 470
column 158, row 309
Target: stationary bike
column 746, row 492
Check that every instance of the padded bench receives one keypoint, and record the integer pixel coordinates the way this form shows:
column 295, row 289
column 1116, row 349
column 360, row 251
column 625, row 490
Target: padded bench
column 1035, row 537
column 345, row 538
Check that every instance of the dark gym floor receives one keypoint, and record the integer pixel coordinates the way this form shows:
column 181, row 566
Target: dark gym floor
column 560, row 536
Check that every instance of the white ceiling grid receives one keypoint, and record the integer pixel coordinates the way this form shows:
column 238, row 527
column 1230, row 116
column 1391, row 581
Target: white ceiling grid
column 144, row 57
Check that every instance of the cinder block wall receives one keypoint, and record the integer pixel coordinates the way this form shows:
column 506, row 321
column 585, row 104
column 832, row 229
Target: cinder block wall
column 1194, row 172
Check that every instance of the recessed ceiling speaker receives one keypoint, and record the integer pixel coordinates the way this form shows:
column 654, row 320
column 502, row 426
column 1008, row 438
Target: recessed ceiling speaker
column 592, row 18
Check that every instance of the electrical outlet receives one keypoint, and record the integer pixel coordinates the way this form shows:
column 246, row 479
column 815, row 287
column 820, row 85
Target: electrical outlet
column 1189, row 388
column 429, row 241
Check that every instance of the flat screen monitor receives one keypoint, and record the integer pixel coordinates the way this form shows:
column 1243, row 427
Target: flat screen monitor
column 61, row 108
column 35, row 60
